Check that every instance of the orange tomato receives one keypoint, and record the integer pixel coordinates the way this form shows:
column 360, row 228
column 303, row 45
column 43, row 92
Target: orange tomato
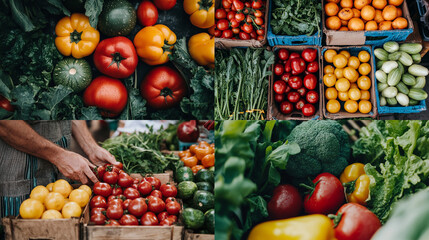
column 63, row 187
column 333, row 1
column 197, row 168
column 52, row 214
column 351, row 106
column 354, row 62
column 54, row 201
column 364, row 69
column 333, row 106
column 356, row 24
column 329, row 55
column 345, row 14
column 356, row 13
column 331, row 9
column 328, row 69
column 208, row 160
column 338, row 73
column 367, row 13
column 371, row 26
column 331, row 93
column 354, row 85
column 385, row 25
column 379, row 4
column 343, row 28
column 39, row 193
column 342, row 85
column 31, row 209
column 365, row 106
column 354, row 94
column 339, row 61
column 400, row 23
column 345, row 53
column 396, row 2
column 200, row 152
column 378, row 16
column 49, row 186
column 192, row 149
column 329, row 79
column 71, row 209
column 399, row 12
column 80, row 197
column 86, row 189
column 364, row 82
column 389, row 13
column 344, row 23
column 190, row 161
column 186, row 153
column 346, row 3
column 203, row 144
column 365, row 95
column 359, row 4
column 343, row 96
column 351, row 74
column 333, row 23
column 363, row 56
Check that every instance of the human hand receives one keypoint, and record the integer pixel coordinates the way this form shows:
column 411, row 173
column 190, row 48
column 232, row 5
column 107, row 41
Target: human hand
column 100, row 156
column 76, row 167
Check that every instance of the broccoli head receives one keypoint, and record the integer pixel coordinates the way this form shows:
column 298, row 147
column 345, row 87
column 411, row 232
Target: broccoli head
column 324, row 147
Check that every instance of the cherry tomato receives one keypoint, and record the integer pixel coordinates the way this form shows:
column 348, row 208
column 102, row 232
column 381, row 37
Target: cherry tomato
column 279, row 97
column 294, row 55
column 230, row 15
column 239, row 5
column 5, row 104
column 327, row 195
column 253, row 34
column 220, row 13
column 302, row 91
column 98, row 219
column 278, row 69
column 283, row 54
column 312, row 97
column 226, row 4
column 149, row 219
column 147, row 13
column 235, row 31
column 114, row 212
column 293, row 97
column 234, row 24
column 129, row 220
column 300, row 104
column 98, row 202
column 260, row 32
column 156, row 205
column 162, row 216
column 286, row 202
column 168, row 190
column 256, row 4
column 313, row 67
column 99, row 172
column 97, row 210
column 259, row 21
column 297, row 65
column 113, row 222
column 227, row 34
column 137, row 207
column 288, row 68
column 286, row 107
column 222, row 24
column 285, row 77
column 260, row 38
column 258, row 13
column 279, row 86
column 124, row 180
column 308, row 109
column 102, row 189
column 173, row 208
column 243, row 35
column 239, row 17
column 295, row 82
column 310, row 81
column 217, row 33
column 131, row 193
column 110, row 177
column 247, row 27
column 155, row 182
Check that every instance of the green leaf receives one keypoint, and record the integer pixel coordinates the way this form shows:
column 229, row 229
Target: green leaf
column 51, row 98
column 93, row 9
column 90, row 113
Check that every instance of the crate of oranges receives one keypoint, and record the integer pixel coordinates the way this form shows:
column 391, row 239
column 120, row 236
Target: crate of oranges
column 348, row 82
column 51, row 212
column 365, row 22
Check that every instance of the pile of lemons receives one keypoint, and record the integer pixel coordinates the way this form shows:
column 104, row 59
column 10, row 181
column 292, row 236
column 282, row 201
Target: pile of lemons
column 56, row 200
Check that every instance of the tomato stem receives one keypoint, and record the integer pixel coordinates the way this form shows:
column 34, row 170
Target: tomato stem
column 336, row 218
column 311, row 187
column 75, row 36
column 116, row 58
column 205, row 4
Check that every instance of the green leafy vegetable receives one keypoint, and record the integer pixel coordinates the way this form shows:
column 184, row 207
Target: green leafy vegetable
column 242, row 83
column 93, row 9
column 296, row 17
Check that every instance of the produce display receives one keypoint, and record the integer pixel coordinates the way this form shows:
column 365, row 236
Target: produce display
column 96, row 59
column 364, row 15
column 309, row 180
column 55, row 201
column 122, row 200
column 296, row 78
column 244, row 20
column 241, row 87
column 347, row 77
column 196, row 188
column 400, row 77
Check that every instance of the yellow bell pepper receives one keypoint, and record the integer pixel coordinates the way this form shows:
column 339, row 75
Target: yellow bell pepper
column 201, row 11
column 154, row 44
column 356, row 183
column 201, row 48
column 310, row 227
column 75, row 36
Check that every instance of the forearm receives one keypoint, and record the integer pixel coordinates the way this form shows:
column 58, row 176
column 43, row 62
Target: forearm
column 83, row 136
column 22, row 137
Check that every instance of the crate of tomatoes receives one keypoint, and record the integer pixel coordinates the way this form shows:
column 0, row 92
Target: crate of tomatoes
column 51, row 212
column 348, row 82
column 241, row 23
column 366, row 22
column 125, row 207
column 294, row 88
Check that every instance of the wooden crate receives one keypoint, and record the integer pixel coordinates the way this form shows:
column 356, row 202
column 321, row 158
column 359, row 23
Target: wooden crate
column 189, row 235
column 166, row 177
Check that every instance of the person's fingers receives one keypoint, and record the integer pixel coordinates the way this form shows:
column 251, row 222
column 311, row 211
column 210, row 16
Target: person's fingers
column 90, row 174
column 82, row 178
column 109, row 157
column 90, row 164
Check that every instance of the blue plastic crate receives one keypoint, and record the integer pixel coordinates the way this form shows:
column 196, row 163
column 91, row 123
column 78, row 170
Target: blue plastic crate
column 354, row 51
column 273, row 39
column 421, row 7
column 387, row 109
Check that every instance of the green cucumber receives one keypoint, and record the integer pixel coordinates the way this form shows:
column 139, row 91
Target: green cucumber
column 389, row 66
column 381, row 54
column 389, row 92
column 394, row 77
column 411, row 48
column 420, row 82
column 417, row 58
column 379, row 64
column 382, row 101
column 391, row 47
column 417, row 94
column 406, row 59
column 394, row 56
column 414, row 102
column 409, row 79
column 402, row 88
column 402, row 99
column 381, row 76
column 401, row 68
column 392, row 101
column 418, row 70
column 382, row 86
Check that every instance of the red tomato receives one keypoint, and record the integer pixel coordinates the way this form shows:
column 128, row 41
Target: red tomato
column 98, row 202
column 137, row 207
column 168, row 190
column 129, row 220
column 286, row 76
column 309, row 54
column 300, row 104
column 118, row 165
column 163, row 87
column 283, row 53
column 288, row 68
column 247, row 27
column 145, row 188
column 108, row 94
column 116, row 57
column 310, row 81
column 149, row 219
column 156, row 193
column 259, row 21
column 279, row 86
column 124, row 180
column 131, row 193
column 313, row 67
column 155, row 182
column 116, row 191
column 173, row 208
column 174, row 217
column 126, row 203
column 116, row 201
column 279, row 97
column 258, row 13
column 234, row 24
column 308, row 110
column 220, row 13
column 99, row 172
column 286, row 107
column 260, row 32
column 166, row 222
column 230, row 15
column 222, row 24
column 293, row 97
column 312, row 97
column 97, row 210
column 147, row 13
column 294, row 55
column 102, row 189
column 113, row 222
column 256, row 4
column 114, row 211
column 239, row 5
column 170, row 199
column 239, row 17
column 227, row 34
column 327, row 195
column 5, row 104
column 162, row 216
column 302, row 91
column 165, row 4
column 278, row 69
column 156, row 205
column 110, row 177
column 295, row 82
column 286, row 202
column 98, row 219
column 355, row 222
column 243, row 35
column 297, row 65
column 226, row 4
